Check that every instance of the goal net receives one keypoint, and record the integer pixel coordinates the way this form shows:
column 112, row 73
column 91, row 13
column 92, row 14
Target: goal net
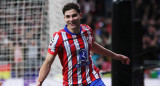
column 23, row 40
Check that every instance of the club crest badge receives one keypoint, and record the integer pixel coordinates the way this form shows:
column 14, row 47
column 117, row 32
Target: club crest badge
column 83, row 55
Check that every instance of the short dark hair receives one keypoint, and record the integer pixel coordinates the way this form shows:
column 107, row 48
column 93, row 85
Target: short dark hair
column 70, row 6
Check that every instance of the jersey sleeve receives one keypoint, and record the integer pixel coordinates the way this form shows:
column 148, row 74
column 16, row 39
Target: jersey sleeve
column 92, row 35
column 54, row 44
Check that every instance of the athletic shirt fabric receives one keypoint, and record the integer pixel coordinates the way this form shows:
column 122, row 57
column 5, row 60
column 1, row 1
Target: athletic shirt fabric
column 74, row 54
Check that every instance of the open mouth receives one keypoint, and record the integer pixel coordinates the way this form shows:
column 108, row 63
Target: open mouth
column 72, row 24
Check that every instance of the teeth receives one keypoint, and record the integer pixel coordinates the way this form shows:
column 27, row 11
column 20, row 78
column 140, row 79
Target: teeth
column 72, row 23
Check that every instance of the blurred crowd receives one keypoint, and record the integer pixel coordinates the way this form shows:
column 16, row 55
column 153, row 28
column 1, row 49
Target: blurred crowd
column 97, row 14
column 148, row 11
column 21, row 35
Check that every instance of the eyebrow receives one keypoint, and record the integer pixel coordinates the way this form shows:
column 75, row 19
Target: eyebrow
column 67, row 15
column 71, row 15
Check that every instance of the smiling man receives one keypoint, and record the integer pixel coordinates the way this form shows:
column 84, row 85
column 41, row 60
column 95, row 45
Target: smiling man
column 73, row 45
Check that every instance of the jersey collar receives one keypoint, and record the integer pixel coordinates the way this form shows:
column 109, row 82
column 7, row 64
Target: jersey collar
column 66, row 29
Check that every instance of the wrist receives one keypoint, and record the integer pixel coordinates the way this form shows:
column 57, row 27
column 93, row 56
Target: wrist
column 39, row 83
column 117, row 56
column 114, row 55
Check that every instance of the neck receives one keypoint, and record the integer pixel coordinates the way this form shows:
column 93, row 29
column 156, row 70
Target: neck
column 74, row 30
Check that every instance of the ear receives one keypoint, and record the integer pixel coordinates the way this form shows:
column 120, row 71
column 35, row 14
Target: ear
column 64, row 16
column 80, row 15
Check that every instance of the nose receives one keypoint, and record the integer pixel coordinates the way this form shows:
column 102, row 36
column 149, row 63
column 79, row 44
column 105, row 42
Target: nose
column 71, row 19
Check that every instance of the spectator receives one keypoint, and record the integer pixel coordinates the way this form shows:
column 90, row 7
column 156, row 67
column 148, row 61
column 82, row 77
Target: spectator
column 18, row 53
column 32, row 50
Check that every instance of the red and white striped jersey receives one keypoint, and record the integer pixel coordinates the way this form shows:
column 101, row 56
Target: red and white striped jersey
column 74, row 54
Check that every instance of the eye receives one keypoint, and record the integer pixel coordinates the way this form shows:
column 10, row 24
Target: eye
column 74, row 15
column 67, row 16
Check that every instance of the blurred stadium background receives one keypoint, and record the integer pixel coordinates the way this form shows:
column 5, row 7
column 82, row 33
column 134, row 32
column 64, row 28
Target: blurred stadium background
column 27, row 25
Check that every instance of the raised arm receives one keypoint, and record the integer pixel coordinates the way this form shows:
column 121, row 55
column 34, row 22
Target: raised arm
column 98, row 49
column 45, row 68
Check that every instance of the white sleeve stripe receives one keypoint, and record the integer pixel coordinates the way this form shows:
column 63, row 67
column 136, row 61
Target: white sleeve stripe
column 54, row 42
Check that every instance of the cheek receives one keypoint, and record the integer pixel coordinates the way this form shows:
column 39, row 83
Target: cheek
column 77, row 19
column 66, row 20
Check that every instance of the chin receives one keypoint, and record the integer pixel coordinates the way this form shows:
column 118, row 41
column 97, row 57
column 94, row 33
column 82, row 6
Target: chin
column 73, row 28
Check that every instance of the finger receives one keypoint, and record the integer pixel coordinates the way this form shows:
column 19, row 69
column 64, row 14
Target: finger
column 128, row 61
column 123, row 62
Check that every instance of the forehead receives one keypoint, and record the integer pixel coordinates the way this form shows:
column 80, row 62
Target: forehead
column 70, row 12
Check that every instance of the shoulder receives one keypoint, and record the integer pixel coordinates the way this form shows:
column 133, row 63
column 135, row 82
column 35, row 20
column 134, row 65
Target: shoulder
column 57, row 33
column 86, row 27
column 57, row 38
